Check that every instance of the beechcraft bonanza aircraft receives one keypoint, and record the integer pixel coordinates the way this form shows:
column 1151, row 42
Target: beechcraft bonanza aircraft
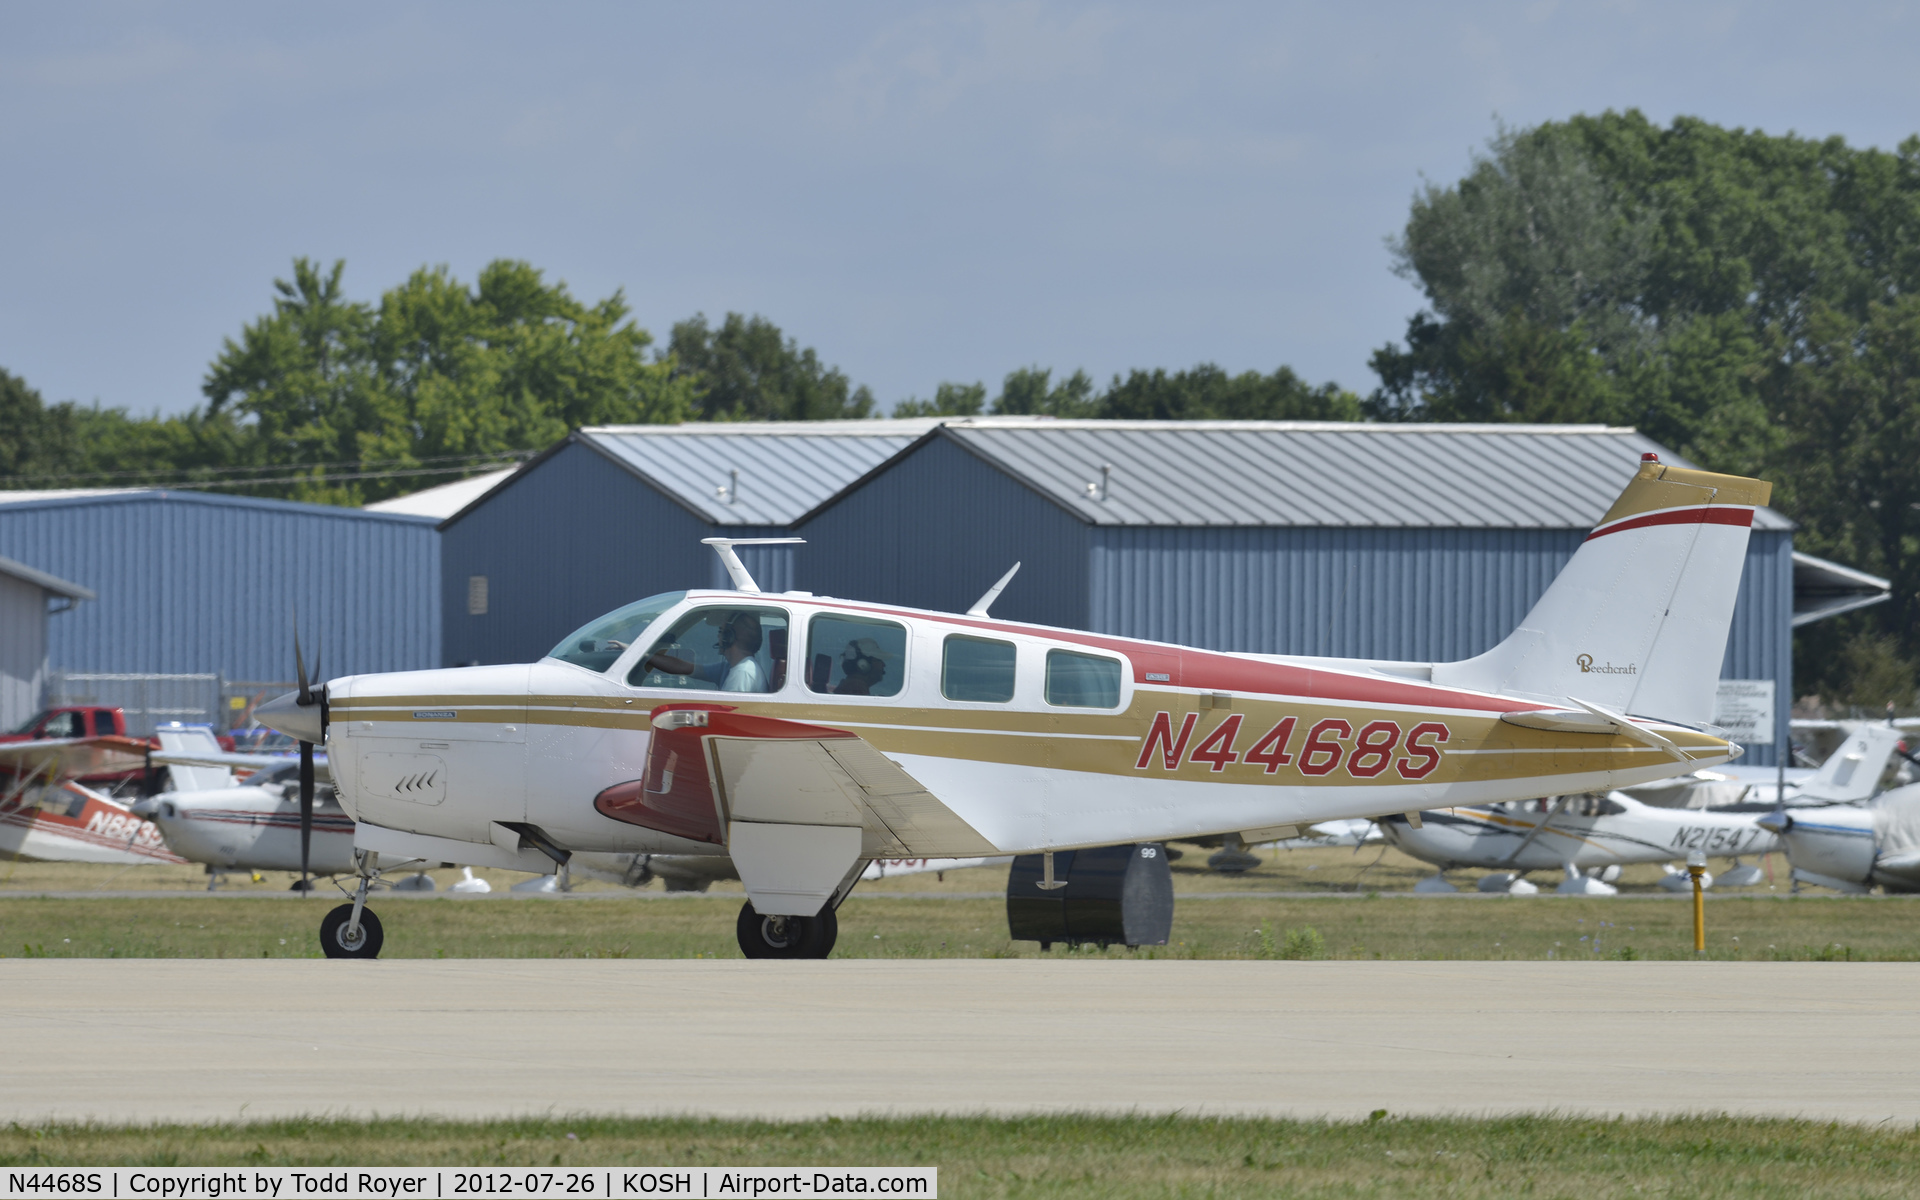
column 803, row 736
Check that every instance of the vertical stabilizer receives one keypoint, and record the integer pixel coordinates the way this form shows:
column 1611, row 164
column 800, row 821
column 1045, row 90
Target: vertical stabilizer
column 1637, row 620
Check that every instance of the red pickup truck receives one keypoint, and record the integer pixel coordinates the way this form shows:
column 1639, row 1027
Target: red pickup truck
column 72, row 722
column 89, row 720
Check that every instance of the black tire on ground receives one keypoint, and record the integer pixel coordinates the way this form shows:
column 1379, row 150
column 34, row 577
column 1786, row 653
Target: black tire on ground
column 786, row 937
column 301, row 885
column 333, row 934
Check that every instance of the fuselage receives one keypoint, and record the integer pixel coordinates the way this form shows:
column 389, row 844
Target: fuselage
column 1854, row 847
column 253, row 828
column 1034, row 738
column 70, row 822
column 1588, row 831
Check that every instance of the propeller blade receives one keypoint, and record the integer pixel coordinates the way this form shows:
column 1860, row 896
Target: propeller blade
column 300, row 666
column 306, row 812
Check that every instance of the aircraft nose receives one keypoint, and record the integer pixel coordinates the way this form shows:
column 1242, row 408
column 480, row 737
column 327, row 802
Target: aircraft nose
column 289, row 716
column 1775, row 822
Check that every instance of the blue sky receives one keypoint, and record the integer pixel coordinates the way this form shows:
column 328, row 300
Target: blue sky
column 923, row 193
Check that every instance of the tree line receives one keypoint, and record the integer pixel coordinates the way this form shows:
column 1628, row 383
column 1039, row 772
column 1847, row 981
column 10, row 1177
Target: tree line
column 1751, row 300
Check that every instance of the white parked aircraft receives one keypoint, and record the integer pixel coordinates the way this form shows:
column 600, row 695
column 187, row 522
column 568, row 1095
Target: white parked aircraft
column 1850, row 847
column 1593, row 835
column 805, row 737
column 1589, row 836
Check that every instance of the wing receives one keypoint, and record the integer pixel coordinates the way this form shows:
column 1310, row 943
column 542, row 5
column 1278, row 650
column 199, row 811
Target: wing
column 50, row 760
column 237, row 761
column 708, row 765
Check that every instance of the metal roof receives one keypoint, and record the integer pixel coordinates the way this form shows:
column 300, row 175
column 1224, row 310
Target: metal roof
column 786, row 468
column 44, row 581
column 443, row 501
column 1316, row 473
column 83, row 497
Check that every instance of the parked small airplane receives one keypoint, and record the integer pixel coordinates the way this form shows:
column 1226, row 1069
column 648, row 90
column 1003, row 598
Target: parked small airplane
column 1591, row 835
column 47, row 815
column 1851, row 848
column 804, row 737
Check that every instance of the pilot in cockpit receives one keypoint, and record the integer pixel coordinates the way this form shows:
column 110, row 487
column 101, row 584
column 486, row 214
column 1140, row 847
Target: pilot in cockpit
column 736, row 670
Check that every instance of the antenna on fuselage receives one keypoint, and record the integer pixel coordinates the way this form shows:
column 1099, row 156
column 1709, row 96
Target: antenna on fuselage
column 737, row 570
column 980, row 606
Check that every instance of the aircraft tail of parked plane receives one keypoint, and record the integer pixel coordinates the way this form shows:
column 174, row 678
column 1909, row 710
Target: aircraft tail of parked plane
column 1637, row 620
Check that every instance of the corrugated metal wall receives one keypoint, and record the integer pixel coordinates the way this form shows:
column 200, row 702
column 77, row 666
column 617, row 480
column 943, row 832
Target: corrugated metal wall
column 574, row 537
column 1417, row 594
column 1760, row 645
column 935, row 531
column 23, row 650
column 1422, row 594
column 190, row 582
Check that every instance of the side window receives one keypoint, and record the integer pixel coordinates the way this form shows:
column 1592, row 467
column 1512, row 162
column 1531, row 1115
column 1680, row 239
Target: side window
column 102, row 720
column 1082, row 680
column 856, row 656
column 725, row 649
column 977, row 669
column 65, row 725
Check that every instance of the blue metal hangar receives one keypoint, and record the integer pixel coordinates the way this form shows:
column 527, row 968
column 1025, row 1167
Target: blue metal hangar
column 1418, row 542
column 193, row 582
column 616, row 513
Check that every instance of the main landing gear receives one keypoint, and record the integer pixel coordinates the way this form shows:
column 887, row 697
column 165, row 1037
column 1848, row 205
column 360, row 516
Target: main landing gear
column 786, row 937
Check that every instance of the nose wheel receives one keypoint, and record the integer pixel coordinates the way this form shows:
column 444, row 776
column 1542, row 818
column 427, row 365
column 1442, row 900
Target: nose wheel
column 786, row 937
column 342, row 937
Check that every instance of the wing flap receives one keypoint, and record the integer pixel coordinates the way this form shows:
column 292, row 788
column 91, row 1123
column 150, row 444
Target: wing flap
column 781, row 772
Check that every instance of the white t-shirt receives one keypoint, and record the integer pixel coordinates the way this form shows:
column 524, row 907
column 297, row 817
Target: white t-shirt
column 744, row 677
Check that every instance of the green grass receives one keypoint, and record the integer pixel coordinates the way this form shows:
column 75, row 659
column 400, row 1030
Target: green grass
column 1074, row 1156
column 1390, row 927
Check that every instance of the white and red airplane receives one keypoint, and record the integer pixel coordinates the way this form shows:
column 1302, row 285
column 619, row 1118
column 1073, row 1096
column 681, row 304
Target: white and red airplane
column 804, row 737
column 47, row 815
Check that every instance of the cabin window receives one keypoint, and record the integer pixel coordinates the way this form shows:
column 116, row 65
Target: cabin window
column 598, row 643
column 856, row 656
column 1082, row 680
column 64, row 725
column 1592, row 804
column 978, row 669
column 726, row 648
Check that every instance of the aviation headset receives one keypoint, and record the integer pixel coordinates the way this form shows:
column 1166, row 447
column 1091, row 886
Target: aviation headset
column 730, row 633
column 863, row 665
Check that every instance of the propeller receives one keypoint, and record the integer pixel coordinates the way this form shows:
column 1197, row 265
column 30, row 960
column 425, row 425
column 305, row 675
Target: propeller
column 307, row 698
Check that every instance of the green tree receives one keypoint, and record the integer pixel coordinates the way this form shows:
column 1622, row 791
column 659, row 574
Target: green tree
column 1030, row 391
column 1853, row 408
column 949, row 400
column 1738, row 296
column 747, row 370
column 438, row 372
column 1208, row 393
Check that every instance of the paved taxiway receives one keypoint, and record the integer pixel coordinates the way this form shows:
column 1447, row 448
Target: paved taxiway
column 211, row 1040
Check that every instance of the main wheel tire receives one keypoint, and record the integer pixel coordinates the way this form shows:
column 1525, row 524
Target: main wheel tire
column 335, row 943
column 786, row 937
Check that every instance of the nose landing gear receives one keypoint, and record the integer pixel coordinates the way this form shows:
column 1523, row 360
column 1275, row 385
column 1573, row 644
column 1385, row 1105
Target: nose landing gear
column 786, row 937
column 351, row 930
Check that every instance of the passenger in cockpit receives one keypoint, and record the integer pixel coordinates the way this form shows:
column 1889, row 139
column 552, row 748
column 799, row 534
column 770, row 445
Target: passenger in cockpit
column 862, row 667
column 736, row 670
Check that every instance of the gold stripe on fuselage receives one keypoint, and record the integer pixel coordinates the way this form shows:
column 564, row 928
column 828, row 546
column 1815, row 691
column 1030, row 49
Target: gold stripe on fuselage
column 1478, row 746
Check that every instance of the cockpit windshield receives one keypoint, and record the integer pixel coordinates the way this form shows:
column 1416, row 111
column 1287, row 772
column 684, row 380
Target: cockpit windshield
column 599, row 642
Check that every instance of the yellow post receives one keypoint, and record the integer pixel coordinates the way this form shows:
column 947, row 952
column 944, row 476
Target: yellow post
column 1696, row 867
